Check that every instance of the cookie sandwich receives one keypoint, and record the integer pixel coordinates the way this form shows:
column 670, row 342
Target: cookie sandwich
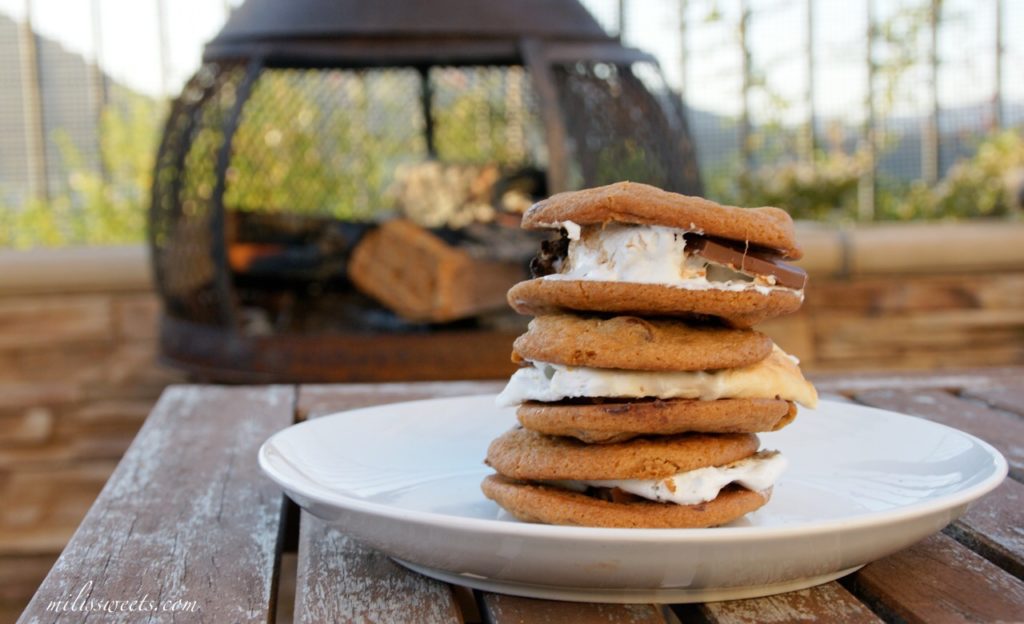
column 604, row 380
column 635, row 249
column 642, row 422
column 685, row 481
column 641, row 385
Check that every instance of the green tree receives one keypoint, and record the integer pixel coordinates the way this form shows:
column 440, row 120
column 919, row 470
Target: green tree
column 103, row 206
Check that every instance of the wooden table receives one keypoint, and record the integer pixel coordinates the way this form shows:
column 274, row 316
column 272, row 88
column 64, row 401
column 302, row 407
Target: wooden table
column 188, row 516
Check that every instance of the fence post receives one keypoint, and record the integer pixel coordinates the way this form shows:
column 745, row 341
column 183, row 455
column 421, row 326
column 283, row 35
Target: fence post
column 98, row 84
column 745, row 127
column 867, row 185
column 684, row 56
column 931, row 148
column 811, row 138
column 621, row 24
column 165, row 53
column 997, row 95
column 32, row 110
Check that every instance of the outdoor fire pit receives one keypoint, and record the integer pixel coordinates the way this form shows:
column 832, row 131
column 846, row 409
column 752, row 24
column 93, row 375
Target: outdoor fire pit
column 312, row 121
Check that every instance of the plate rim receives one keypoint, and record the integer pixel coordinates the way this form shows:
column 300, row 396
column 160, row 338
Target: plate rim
column 640, row 535
column 631, row 595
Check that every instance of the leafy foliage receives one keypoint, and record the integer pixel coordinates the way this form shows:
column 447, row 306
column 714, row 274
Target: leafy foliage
column 95, row 207
column 983, row 185
column 986, row 185
column 310, row 145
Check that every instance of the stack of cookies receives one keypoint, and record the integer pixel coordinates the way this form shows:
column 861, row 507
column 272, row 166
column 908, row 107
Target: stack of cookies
column 642, row 385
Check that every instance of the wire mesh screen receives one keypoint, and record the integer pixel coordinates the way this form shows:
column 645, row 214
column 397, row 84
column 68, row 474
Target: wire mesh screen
column 267, row 177
column 620, row 130
column 325, row 142
column 754, row 77
column 486, row 114
column 182, row 214
column 333, row 142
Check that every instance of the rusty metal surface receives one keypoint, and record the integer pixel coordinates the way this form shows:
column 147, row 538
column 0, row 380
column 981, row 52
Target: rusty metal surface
column 623, row 125
column 321, row 117
column 222, row 278
column 259, row 26
column 182, row 211
column 213, row 354
column 379, row 52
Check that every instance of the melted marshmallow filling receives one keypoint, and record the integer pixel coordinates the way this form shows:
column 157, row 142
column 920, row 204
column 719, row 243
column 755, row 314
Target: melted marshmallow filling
column 777, row 376
column 649, row 254
column 757, row 472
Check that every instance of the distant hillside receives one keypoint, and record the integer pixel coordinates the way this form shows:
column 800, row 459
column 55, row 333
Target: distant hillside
column 70, row 111
column 717, row 137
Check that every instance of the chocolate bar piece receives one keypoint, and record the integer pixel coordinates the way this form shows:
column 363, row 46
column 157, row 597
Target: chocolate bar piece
column 747, row 260
column 552, row 254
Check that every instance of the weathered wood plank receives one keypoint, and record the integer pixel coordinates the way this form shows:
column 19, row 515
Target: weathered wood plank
column 924, row 333
column 875, row 296
column 850, row 383
column 321, row 399
column 46, row 321
column 1009, row 397
column 994, row 527
column 824, row 603
column 939, row 580
column 502, row 609
column 1007, row 351
column 340, row 580
column 905, row 248
column 186, row 519
column 314, row 551
column 1000, row 429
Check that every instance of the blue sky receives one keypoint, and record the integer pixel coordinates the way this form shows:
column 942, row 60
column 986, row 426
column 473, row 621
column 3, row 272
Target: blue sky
column 131, row 50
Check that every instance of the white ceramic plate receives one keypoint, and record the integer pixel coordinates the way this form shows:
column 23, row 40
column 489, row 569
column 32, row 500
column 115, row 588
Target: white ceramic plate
column 404, row 478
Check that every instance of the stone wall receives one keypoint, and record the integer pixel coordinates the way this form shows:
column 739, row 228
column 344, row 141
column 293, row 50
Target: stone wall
column 79, row 371
column 907, row 322
column 909, row 297
column 78, row 375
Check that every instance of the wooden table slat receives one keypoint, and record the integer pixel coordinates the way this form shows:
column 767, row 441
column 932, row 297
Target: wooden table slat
column 318, row 400
column 340, row 580
column 187, row 514
column 1000, row 429
column 957, row 380
column 824, row 603
column 1007, row 398
column 939, row 580
column 321, row 399
column 994, row 527
column 504, row 609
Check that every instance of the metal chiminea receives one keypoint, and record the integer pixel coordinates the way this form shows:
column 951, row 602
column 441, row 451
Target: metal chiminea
column 290, row 140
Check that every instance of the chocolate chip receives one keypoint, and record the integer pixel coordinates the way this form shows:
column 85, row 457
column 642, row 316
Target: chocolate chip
column 552, row 253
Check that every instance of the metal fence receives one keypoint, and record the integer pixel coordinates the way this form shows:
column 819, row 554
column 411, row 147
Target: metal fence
column 60, row 84
column 912, row 85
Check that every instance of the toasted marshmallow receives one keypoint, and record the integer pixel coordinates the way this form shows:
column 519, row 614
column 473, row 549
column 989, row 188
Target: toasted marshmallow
column 649, row 254
column 758, row 472
column 775, row 377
